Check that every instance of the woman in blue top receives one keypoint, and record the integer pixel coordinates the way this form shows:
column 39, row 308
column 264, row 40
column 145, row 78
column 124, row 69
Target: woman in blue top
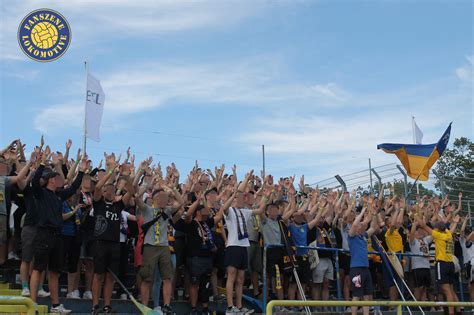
column 361, row 281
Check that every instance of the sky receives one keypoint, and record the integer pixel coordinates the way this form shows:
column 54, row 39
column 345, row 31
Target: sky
column 319, row 83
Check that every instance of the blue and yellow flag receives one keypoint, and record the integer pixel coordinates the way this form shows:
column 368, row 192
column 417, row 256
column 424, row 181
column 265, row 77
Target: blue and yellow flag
column 418, row 158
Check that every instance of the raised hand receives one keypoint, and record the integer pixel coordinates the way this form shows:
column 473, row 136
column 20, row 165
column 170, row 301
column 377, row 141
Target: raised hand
column 68, row 144
column 84, row 164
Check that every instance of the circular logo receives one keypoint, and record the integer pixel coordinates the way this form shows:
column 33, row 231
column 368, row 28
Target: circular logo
column 44, row 35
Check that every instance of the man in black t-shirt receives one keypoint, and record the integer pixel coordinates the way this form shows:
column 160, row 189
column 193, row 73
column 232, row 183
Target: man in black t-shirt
column 200, row 248
column 48, row 243
column 106, row 249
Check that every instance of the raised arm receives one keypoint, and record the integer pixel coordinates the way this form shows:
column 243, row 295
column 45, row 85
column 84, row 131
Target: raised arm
column 412, row 231
column 357, row 221
column 111, row 165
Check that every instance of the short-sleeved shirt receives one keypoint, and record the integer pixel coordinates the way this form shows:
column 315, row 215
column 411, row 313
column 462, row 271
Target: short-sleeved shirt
column 107, row 220
column 157, row 234
column 394, row 241
column 444, row 246
column 359, row 251
column 124, row 226
column 197, row 244
column 420, row 247
column 69, row 225
column 5, row 187
column 467, row 251
column 271, row 232
column 253, row 228
column 232, row 221
column 299, row 235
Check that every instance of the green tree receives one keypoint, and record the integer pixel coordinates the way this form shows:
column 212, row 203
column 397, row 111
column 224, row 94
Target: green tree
column 456, row 168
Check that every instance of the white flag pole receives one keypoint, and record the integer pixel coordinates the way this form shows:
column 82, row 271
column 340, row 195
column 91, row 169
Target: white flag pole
column 413, row 128
column 86, row 65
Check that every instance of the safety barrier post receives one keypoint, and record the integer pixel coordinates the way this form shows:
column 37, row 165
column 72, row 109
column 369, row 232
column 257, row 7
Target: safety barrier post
column 264, row 278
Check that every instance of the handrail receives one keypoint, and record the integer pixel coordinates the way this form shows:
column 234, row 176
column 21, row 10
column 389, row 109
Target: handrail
column 18, row 300
column 398, row 304
column 335, row 251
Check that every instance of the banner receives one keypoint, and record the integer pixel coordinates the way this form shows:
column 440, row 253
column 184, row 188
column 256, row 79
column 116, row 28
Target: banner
column 95, row 99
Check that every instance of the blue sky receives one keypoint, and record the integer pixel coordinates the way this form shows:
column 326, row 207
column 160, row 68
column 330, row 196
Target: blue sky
column 317, row 82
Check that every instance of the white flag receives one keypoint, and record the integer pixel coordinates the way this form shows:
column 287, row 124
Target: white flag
column 95, row 99
column 417, row 134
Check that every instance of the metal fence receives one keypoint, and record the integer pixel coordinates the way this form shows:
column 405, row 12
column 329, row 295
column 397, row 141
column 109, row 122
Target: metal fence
column 374, row 177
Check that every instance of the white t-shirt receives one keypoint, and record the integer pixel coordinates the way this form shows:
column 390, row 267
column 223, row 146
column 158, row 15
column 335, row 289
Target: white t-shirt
column 420, row 247
column 231, row 223
column 124, row 225
column 467, row 251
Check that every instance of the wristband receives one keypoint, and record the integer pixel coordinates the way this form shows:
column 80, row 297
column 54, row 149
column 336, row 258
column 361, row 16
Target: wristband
column 110, row 172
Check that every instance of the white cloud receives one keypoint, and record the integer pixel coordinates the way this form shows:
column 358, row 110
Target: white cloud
column 465, row 72
column 91, row 19
column 255, row 82
column 58, row 118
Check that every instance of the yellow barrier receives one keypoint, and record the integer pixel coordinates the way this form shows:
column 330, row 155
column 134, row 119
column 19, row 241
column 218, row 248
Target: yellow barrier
column 17, row 304
column 398, row 304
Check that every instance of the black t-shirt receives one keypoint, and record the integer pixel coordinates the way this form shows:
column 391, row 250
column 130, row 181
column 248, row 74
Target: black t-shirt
column 197, row 245
column 31, row 217
column 107, row 220
column 87, row 221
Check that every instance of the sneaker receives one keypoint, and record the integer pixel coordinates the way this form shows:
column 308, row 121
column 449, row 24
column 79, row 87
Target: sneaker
column 13, row 256
column 25, row 292
column 95, row 309
column 73, row 295
column 43, row 293
column 246, row 311
column 123, row 296
column 107, row 310
column 194, row 311
column 60, row 309
column 87, row 295
column 232, row 310
column 166, row 309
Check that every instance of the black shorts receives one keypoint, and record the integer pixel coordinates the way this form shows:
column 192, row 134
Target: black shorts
column 303, row 269
column 422, row 277
column 199, row 267
column 361, row 282
column 237, row 257
column 444, row 272
column 345, row 262
column 274, row 258
column 106, row 256
column 48, row 248
column 72, row 251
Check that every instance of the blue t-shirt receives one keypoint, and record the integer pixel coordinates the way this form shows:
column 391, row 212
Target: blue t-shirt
column 299, row 234
column 359, row 251
column 69, row 226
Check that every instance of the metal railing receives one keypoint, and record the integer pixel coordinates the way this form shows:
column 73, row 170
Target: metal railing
column 398, row 304
column 17, row 301
column 335, row 251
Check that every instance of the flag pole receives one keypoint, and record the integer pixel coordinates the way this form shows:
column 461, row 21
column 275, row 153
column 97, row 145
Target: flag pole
column 413, row 129
column 86, row 66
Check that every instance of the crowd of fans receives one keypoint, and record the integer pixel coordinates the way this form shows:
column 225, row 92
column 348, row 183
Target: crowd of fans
column 208, row 230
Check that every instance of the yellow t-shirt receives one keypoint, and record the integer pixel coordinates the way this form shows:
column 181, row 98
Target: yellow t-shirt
column 394, row 241
column 444, row 246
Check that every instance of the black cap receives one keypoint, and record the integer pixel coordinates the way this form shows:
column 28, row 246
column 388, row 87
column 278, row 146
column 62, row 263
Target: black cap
column 49, row 173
